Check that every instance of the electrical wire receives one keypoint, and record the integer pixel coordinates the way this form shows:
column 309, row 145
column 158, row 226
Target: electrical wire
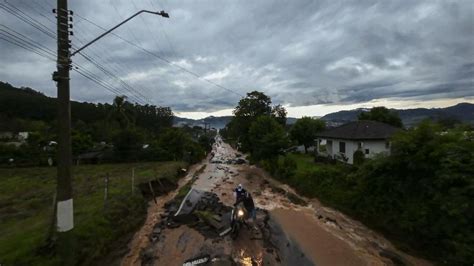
column 40, row 26
column 161, row 58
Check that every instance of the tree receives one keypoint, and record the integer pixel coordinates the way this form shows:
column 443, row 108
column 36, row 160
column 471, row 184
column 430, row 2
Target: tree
column 128, row 143
column 267, row 138
column 305, row 129
column 423, row 191
column 382, row 114
column 279, row 113
column 80, row 142
column 180, row 146
column 121, row 112
column 253, row 106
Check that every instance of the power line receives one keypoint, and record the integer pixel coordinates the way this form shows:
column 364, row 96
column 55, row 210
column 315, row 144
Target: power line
column 146, row 25
column 47, row 53
column 118, row 67
column 162, row 58
column 110, row 74
column 4, row 37
column 163, row 30
column 24, row 39
column 28, row 20
column 38, row 25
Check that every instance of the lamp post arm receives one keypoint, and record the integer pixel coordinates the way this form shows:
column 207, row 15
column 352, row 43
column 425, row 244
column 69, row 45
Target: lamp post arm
column 161, row 13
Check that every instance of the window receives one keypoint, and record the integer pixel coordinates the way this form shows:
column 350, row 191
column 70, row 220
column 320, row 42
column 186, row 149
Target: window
column 361, row 144
column 342, row 147
column 367, row 151
column 387, row 144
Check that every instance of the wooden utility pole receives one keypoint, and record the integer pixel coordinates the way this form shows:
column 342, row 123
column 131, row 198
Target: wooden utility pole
column 65, row 213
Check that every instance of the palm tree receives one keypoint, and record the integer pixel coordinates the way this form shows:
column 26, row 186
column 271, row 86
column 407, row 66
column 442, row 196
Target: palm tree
column 119, row 112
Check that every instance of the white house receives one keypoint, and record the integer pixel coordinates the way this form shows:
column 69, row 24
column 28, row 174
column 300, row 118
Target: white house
column 370, row 137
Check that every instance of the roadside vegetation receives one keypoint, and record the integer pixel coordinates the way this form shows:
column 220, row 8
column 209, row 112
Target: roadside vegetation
column 26, row 196
column 119, row 132
column 107, row 140
column 421, row 196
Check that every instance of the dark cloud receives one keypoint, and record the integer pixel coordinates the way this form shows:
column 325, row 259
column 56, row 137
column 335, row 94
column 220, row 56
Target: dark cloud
column 298, row 52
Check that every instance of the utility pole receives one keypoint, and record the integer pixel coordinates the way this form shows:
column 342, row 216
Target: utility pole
column 65, row 212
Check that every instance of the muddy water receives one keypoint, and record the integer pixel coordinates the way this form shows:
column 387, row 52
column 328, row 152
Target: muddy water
column 299, row 235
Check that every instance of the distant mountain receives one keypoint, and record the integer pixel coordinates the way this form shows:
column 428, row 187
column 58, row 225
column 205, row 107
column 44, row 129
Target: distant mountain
column 217, row 122
column 463, row 112
column 214, row 121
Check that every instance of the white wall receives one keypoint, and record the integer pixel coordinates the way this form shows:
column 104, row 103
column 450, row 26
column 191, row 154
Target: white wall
column 374, row 147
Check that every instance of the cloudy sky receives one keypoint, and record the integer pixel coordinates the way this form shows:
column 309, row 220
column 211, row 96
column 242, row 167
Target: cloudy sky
column 314, row 57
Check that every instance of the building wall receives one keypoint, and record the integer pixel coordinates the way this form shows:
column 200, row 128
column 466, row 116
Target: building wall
column 373, row 146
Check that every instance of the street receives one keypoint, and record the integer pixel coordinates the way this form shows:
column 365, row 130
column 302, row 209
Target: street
column 306, row 233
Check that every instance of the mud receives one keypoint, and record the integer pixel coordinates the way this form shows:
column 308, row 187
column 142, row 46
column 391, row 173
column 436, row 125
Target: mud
column 157, row 187
column 290, row 229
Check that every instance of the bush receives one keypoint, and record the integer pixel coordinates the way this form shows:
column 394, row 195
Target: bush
column 423, row 193
column 421, row 196
column 359, row 157
column 286, row 168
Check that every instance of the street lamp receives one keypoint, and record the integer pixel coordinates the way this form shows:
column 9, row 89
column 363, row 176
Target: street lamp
column 64, row 199
column 161, row 13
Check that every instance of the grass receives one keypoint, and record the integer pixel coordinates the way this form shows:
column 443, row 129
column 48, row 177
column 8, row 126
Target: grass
column 26, row 209
column 304, row 162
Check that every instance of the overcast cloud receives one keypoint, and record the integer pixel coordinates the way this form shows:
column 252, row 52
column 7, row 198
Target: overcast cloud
column 300, row 53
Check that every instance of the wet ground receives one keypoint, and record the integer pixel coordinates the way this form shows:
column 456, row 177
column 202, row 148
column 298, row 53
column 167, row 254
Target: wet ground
column 285, row 233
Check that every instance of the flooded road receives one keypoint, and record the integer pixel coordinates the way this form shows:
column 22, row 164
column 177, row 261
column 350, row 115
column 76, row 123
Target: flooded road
column 285, row 233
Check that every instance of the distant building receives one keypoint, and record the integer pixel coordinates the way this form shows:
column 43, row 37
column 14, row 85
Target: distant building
column 23, row 136
column 370, row 137
column 6, row 135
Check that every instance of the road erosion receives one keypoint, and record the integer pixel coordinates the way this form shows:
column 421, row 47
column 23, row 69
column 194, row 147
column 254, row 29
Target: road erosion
column 286, row 233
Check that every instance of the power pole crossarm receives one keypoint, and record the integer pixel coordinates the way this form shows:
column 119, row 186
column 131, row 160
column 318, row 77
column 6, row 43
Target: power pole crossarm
column 161, row 13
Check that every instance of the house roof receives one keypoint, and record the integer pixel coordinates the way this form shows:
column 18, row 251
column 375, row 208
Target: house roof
column 360, row 130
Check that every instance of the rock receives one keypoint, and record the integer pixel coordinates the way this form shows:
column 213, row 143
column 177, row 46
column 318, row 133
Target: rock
column 240, row 161
column 396, row 258
column 146, row 256
column 223, row 193
column 157, row 230
column 173, row 225
column 188, row 203
column 216, row 225
column 217, row 218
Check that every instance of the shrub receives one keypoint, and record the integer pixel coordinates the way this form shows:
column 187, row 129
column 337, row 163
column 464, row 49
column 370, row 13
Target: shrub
column 359, row 157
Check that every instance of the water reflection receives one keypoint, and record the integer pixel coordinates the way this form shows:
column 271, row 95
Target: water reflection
column 247, row 260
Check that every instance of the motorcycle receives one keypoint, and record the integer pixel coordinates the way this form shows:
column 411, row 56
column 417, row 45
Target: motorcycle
column 238, row 217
